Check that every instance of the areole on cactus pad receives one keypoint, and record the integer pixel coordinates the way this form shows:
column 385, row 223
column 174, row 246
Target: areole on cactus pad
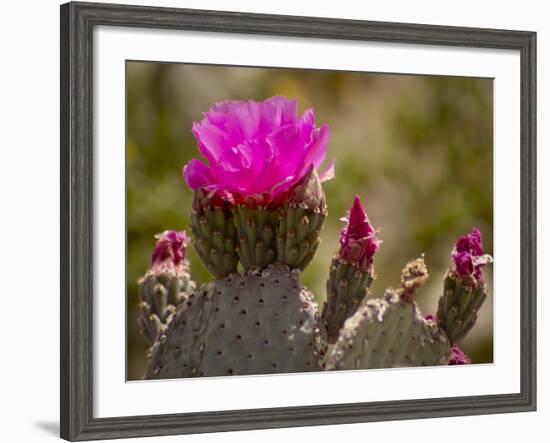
column 257, row 216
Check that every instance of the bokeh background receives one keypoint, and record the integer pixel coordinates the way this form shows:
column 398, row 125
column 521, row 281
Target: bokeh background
column 417, row 149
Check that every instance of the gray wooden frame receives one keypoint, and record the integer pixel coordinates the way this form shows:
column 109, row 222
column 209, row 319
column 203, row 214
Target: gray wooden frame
column 77, row 24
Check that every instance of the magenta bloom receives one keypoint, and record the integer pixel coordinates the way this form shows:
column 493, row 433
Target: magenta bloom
column 256, row 150
column 169, row 252
column 358, row 240
column 458, row 357
column 468, row 257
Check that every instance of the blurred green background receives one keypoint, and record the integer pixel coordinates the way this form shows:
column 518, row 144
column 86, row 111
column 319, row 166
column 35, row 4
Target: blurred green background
column 417, row 149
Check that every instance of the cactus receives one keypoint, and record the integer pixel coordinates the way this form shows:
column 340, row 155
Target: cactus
column 351, row 270
column 391, row 331
column 215, row 234
column 165, row 286
column 464, row 288
column 301, row 221
column 257, row 216
column 257, row 322
column 256, row 229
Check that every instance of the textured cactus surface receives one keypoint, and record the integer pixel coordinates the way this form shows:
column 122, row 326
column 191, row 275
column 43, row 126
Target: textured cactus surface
column 300, row 223
column 160, row 295
column 257, row 216
column 215, row 235
column 464, row 288
column 256, row 323
column 458, row 308
column 256, row 229
column 165, row 286
column 389, row 332
column 346, row 288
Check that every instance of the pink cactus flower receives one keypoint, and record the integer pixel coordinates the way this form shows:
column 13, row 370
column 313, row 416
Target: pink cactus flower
column 468, row 257
column 169, row 252
column 256, row 150
column 358, row 240
column 458, row 357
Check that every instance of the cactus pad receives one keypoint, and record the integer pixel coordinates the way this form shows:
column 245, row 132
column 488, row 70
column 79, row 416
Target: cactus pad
column 160, row 294
column 389, row 332
column 300, row 222
column 215, row 236
column 347, row 286
column 458, row 307
column 298, row 235
column 256, row 229
column 257, row 323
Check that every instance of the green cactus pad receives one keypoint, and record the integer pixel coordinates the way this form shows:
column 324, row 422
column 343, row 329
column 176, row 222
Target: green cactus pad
column 298, row 235
column 215, row 236
column 256, row 228
column 301, row 221
column 257, row 323
column 347, row 287
column 389, row 332
column 159, row 296
column 458, row 307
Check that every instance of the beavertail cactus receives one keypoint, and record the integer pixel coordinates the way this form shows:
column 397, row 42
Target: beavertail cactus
column 257, row 215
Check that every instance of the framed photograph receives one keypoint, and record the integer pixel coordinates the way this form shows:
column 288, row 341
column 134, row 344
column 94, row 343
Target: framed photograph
column 273, row 221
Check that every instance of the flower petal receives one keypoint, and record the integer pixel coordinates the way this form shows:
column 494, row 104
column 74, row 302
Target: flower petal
column 169, row 250
column 277, row 111
column 463, row 263
column 316, row 151
column 235, row 171
column 468, row 257
column 329, row 172
column 212, row 140
column 196, row 174
column 288, row 148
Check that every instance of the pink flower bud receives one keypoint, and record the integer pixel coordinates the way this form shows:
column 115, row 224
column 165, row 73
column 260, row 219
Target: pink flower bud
column 169, row 252
column 468, row 258
column 358, row 240
column 458, row 357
